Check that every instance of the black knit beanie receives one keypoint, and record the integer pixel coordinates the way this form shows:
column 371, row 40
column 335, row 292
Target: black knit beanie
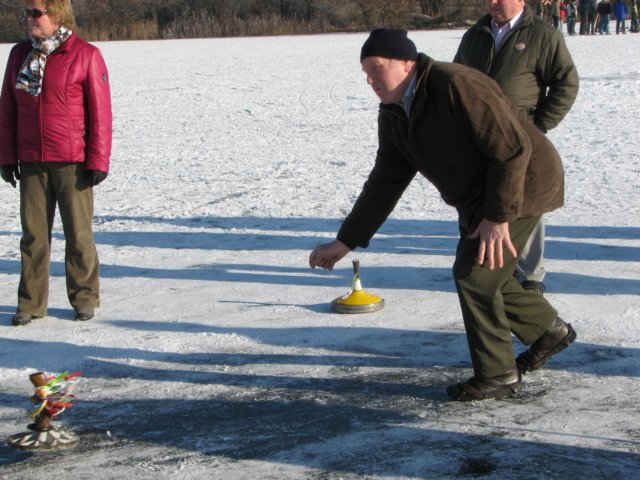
column 389, row 43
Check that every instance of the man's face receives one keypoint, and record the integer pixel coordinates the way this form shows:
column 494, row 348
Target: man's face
column 389, row 78
column 503, row 11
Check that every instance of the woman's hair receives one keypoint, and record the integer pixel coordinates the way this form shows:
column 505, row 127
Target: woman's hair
column 61, row 12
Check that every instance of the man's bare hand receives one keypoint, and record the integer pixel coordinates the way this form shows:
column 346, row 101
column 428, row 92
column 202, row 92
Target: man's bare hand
column 328, row 254
column 494, row 237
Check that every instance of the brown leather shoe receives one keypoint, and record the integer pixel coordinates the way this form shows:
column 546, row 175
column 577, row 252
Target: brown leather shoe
column 559, row 336
column 21, row 318
column 84, row 314
column 477, row 388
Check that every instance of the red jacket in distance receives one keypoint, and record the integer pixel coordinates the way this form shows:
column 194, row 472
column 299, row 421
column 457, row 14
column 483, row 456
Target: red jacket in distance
column 70, row 121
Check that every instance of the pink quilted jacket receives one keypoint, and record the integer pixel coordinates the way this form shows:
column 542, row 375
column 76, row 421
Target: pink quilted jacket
column 70, row 121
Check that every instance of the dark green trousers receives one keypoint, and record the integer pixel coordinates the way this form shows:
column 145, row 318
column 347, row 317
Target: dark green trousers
column 42, row 187
column 495, row 306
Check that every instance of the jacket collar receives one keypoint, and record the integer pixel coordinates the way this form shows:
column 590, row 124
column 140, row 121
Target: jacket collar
column 424, row 65
column 527, row 20
column 67, row 44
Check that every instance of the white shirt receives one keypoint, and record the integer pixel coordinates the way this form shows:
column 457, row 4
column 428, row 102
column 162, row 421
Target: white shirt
column 407, row 99
column 500, row 32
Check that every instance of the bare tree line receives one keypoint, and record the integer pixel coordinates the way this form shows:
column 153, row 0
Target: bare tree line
column 152, row 19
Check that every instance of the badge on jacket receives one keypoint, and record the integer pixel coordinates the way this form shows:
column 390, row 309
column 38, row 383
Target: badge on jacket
column 520, row 46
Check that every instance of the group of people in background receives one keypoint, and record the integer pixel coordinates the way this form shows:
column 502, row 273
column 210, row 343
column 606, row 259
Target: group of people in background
column 593, row 15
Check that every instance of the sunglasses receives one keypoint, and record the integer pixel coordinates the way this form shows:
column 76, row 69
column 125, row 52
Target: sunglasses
column 33, row 12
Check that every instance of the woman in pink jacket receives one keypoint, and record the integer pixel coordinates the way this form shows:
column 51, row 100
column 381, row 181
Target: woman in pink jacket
column 55, row 140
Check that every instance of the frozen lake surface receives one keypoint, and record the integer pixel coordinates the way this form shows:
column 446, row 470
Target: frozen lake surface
column 216, row 354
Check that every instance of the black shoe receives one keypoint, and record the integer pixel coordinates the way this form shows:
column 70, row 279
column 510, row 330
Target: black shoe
column 22, row 318
column 477, row 388
column 84, row 314
column 558, row 337
column 537, row 287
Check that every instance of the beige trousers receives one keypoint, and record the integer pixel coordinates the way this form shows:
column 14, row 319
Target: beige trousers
column 531, row 262
column 42, row 187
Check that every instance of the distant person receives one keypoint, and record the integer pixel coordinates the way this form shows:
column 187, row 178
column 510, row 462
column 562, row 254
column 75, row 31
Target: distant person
column 634, row 16
column 477, row 154
column 591, row 25
column 546, row 11
column 570, row 8
column 622, row 12
column 587, row 13
column 55, row 141
column 582, row 16
column 556, row 19
column 604, row 11
column 530, row 61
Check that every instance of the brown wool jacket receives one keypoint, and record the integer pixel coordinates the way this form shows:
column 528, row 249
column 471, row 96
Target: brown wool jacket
column 466, row 138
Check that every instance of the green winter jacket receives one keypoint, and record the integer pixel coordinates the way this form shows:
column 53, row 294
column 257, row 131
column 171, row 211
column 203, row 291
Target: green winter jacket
column 533, row 67
column 466, row 138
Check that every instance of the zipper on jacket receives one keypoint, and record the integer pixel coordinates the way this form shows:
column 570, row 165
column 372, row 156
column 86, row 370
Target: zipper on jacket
column 391, row 111
column 40, row 123
column 510, row 34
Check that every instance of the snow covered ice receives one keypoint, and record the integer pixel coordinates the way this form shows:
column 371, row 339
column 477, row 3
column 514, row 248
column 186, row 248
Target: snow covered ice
column 216, row 353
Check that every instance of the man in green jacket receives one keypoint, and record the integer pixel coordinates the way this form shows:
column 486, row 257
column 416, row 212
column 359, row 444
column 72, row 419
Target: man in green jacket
column 531, row 63
column 454, row 126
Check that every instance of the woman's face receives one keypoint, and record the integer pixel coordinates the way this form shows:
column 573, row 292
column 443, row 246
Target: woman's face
column 43, row 26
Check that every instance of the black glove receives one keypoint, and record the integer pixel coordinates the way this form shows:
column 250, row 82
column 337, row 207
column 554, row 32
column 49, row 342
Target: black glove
column 95, row 177
column 10, row 174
